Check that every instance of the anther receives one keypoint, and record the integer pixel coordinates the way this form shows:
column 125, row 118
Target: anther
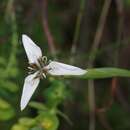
column 44, row 59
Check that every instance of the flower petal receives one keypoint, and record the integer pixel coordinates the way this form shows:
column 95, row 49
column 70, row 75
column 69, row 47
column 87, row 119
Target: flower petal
column 32, row 50
column 30, row 85
column 57, row 68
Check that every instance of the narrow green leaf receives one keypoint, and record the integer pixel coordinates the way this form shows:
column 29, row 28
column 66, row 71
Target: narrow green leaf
column 37, row 105
column 100, row 73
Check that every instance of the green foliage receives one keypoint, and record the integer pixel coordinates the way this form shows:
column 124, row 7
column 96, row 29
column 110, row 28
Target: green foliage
column 127, row 3
column 56, row 93
column 8, row 66
column 6, row 110
column 19, row 127
column 114, row 114
column 36, row 105
column 48, row 120
column 36, row 128
column 24, row 123
column 9, row 86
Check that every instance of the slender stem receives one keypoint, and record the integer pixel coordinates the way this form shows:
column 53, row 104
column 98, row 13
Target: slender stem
column 65, row 117
column 99, row 32
column 46, row 28
column 120, row 12
column 91, row 90
column 91, row 98
column 77, row 27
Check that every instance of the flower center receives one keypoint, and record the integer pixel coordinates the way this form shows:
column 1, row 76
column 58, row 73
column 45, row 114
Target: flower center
column 39, row 67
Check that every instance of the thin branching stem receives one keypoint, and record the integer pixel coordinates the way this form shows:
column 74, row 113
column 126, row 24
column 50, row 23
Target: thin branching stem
column 46, row 28
column 96, row 42
column 77, row 27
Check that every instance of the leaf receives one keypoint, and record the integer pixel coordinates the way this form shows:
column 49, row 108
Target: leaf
column 37, row 105
column 6, row 111
column 13, row 72
column 48, row 120
column 100, row 73
column 2, row 61
column 19, row 127
column 26, row 121
column 4, row 105
column 7, row 114
column 2, row 73
column 36, row 128
column 9, row 86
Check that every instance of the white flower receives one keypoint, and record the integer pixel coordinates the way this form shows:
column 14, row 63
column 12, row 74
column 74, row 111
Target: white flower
column 39, row 67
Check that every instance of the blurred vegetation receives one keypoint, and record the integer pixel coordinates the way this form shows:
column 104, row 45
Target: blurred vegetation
column 91, row 34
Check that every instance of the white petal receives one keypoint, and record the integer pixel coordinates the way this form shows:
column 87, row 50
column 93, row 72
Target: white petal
column 30, row 85
column 57, row 68
column 32, row 50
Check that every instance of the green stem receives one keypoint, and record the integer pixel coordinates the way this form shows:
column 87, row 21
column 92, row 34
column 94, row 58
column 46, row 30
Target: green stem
column 65, row 117
column 77, row 28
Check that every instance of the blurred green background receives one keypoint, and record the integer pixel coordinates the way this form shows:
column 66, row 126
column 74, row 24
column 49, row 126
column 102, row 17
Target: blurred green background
column 84, row 33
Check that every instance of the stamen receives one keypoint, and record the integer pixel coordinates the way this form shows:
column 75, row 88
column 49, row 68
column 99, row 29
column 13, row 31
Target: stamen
column 33, row 65
column 49, row 61
column 44, row 59
column 41, row 62
column 44, row 75
column 40, row 67
column 30, row 72
column 30, row 68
